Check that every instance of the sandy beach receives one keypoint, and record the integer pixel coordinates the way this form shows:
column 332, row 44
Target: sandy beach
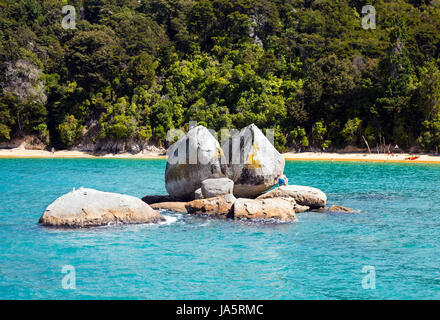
column 361, row 157
column 303, row 156
column 24, row 153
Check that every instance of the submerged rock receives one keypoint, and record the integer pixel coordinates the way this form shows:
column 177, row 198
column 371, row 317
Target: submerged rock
column 216, row 187
column 195, row 157
column 89, row 207
column 253, row 162
column 278, row 209
column 336, row 208
column 216, row 207
column 305, row 196
column 170, row 206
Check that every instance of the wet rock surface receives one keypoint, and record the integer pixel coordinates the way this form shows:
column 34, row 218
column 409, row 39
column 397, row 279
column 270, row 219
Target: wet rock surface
column 259, row 209
column 336, row 208
column 150, row 199
column 170, row 206
column 219, row 207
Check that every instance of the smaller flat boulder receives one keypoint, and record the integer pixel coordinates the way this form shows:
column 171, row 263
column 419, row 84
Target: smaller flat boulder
column 216, row 187
column 170, row 206
column 336, row 208
column 215, row 207
column 264, row 209
column 89, row 207
column 304, row 196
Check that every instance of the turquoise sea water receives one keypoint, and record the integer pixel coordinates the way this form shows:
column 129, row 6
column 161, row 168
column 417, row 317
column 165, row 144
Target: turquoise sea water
column 319, row 257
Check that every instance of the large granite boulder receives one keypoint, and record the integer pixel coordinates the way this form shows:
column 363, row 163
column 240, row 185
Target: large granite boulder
column 216, row 187
column 195, row 157
column 219, row 207
column 256, row 209
column 88, row 207
column 253, row 162
column 305, row 196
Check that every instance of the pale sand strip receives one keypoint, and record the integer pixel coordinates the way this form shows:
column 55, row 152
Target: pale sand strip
column 360, row 157
column 22, row 153
column 304, row 156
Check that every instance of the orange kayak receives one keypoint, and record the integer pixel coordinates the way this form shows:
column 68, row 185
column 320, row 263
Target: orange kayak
column 412, row 158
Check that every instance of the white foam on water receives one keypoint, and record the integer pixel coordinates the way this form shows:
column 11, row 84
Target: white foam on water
column 170, row 219
column 206, row 223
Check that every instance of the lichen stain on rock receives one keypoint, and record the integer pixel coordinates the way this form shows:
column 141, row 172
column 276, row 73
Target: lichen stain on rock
column 251, row 162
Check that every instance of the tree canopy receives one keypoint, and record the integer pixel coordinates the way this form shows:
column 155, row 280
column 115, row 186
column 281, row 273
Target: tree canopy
column 132, row 70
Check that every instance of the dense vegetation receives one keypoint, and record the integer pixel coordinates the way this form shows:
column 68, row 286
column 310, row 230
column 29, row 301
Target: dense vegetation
column 132, row 70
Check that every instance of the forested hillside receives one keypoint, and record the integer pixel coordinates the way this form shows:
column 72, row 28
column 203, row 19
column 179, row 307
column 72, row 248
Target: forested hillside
column 132, row 70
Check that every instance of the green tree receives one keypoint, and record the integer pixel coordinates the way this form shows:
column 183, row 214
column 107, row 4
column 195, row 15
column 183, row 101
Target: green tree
column 92, row 58
column 398, row 83
column 428, row 101
column 351, row 130
column 119, row 122
column 298, row 138
column 319, row 132
column 70, row 131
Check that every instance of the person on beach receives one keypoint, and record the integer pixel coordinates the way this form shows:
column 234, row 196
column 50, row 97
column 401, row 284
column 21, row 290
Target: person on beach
column 282, row 180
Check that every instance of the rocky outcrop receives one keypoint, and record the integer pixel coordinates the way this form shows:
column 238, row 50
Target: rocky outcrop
column 336, row 208
column 215, row 207
column 305, row 196
column 216, row 187
column 22, row 78
column 126, row 146
column 228, row 206
column 158, row 198
column 29, row 142
column 195, row 157
column 253, row 162
column 256, row 209
column 170, row 206
column 91, row 143
column 88, row 207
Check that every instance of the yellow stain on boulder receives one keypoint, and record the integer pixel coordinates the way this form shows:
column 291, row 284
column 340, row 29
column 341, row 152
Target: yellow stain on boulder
column 218, row 153
column 251, row 161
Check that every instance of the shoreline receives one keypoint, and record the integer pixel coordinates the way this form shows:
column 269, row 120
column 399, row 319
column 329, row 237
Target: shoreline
column 360, row 157
column 20, row 153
